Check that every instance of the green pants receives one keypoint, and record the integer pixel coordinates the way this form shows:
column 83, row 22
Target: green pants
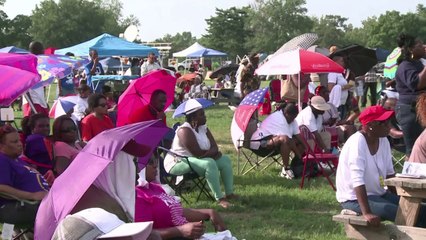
column 211, row 169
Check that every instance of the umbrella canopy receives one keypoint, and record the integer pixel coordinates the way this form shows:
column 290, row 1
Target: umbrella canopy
column 191, row 104
column 139, row 92
column 358, row 59
column 100, row 151
column 13, row 49
column 19, row 73
column 391, row 63
column 224, row 70
column 74, row 62
column 303, row 41
column 14, row 82
column 243, row 113
column 62, row 106
column 296, row 61
column 51, row 67
column 186, row 77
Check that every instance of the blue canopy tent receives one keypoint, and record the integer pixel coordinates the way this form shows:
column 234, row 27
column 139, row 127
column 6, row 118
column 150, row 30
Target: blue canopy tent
column 197, row 50
column 107, row 45
column 13, row 49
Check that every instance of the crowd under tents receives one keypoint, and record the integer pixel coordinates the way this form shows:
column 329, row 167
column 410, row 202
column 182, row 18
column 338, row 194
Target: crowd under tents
column 107, row 45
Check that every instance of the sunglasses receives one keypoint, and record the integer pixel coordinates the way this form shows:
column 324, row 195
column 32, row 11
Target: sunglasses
column 70, row 129
column 102, row 105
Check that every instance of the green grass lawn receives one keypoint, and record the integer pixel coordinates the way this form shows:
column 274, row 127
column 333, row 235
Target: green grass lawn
column 270, row 207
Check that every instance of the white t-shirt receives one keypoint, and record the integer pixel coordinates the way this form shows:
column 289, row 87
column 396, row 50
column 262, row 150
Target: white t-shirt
column 148, row 67
column 306, row 117
column 275, row 124
column 337, row 78
column 37, row 97
column 358, row 167
column 177, row 147
column 80, row 109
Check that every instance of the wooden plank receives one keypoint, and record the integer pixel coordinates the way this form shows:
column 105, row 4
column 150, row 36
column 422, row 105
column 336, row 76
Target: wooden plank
column 406, row 182
column 409, row 192
column 351, row 219
column 408, row 211
column 405, row 233
column 384, row 231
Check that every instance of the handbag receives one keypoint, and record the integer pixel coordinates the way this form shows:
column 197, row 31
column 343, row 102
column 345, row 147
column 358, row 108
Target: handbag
column 289, row 91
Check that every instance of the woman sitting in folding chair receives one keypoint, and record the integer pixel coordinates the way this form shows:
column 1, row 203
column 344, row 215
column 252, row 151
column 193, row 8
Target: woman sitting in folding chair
column 170, row 219
column 276, row 134
column 20, row 184
column 194, row 140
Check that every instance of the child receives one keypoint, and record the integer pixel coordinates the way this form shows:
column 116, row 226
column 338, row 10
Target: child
column 81, row 107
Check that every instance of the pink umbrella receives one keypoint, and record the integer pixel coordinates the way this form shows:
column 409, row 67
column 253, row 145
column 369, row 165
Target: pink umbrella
column 139, row 92
column 298, row 61
column 19, row 74
column 87, row 167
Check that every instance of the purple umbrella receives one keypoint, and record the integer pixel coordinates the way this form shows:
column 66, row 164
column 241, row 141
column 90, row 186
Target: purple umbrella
column 51, row 67
column 90, row 166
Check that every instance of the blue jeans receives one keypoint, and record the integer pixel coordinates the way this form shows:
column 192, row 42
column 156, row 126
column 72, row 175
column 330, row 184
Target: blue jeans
column 384, row 206
column 406, row 117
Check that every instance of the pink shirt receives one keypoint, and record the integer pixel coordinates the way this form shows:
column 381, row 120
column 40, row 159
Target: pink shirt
column 62, row 149
column 154, row 204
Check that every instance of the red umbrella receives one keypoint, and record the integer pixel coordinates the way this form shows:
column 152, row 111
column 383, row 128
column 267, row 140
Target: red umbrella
column 297, row 61
column 187, row 77
column 139, row 92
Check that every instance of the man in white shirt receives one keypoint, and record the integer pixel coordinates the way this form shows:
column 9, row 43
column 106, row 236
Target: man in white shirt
column 276, row 132
column 311, row 117
column 149, row 65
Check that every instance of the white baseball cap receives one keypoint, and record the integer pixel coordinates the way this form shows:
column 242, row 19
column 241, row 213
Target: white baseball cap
column 94, row 223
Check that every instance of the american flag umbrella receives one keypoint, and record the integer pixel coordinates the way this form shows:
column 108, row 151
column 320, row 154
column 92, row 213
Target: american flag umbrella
column 244, row 112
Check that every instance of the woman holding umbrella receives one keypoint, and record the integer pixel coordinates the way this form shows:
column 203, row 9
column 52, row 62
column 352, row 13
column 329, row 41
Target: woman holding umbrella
column 194, row 140
column 410, row 81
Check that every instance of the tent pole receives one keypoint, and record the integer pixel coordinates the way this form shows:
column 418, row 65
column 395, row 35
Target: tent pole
column 298, row 92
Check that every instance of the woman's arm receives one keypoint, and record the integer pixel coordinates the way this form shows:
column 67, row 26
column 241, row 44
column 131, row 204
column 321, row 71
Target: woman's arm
column 188, row 140
column 8, row 190
column 361, row 195
column 330, row 86
column 61, row 164
column 196, row 215
column 422, row 80
column 192, row 230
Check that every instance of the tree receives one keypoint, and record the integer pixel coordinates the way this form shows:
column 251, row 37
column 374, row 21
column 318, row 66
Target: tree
column 69, row 22
column 227, row 31
column 179, row 42
column 331, row 30
column 275, row 22
column 17, row 32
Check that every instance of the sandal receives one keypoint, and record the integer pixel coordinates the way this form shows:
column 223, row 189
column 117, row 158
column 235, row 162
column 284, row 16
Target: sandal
column 223, row 203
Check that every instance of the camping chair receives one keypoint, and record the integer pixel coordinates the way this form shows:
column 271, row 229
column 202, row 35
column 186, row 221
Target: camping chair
column 398, row 152
column 180, row 183
column 312, row 156
column 20, row 230
column 253, row 160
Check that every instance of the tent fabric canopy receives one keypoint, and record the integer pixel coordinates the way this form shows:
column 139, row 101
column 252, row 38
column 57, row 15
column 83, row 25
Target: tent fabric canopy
column 13, row 49
column 107, row 45
column 198, row 50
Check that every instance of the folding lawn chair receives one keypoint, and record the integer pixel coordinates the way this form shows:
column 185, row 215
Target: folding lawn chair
column 310, row 155
column 253, row 159
column 398, row 152
column 20, row 231
column 275, row 91
column 195, row 181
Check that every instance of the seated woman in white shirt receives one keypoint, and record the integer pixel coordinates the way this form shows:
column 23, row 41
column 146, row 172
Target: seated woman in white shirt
column 194, row 140
column 364, row 162
column 276, row 132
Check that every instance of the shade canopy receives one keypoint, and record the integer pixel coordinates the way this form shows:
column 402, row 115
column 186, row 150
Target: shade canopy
column 13, row 49
column 107, row 45
column 198, row 50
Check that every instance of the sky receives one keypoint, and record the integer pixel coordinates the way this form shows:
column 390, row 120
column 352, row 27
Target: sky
column 160, row 17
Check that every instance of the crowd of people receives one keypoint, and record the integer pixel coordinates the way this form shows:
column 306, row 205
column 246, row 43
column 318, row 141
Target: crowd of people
column 31, row 160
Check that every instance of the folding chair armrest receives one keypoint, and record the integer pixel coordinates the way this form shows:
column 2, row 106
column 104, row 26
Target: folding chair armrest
column 12, row 197
column 176, row 155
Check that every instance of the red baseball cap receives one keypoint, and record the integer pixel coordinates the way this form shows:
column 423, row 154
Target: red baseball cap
column 375, row 113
